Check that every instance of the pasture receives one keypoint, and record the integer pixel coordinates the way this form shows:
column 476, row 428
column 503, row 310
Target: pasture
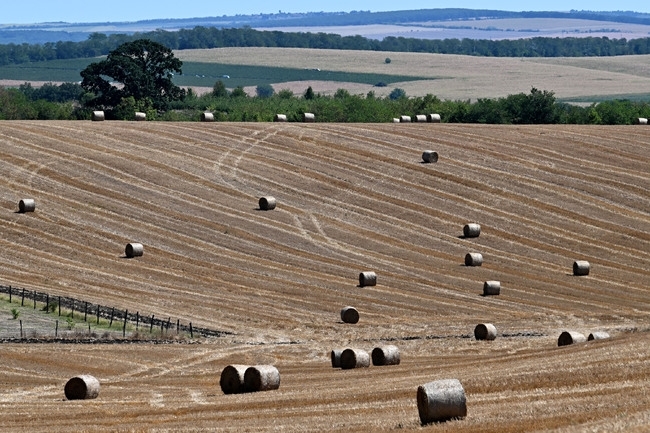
column 350, row 198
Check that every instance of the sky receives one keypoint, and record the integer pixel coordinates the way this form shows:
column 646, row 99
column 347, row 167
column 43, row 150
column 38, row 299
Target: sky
column 77, row 11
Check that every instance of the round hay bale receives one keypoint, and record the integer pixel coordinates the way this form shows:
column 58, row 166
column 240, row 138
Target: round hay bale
column 441, row 400
column 598, row 335
column 430, row 156
column 232, row 379
column 581, row 267
column 207, row 117
column 570, row 337
column 491, row 288
column 405, row 119
column 139, row 116
column 261, row 378
column 26, row 205
column 335, row 355
column 84, row 387
column 642, row 121
column 97, row 116
column 485, row 331
column 473, row 259
column 433, row 118
column 134, row 250
column 367, row 278
column 385, row 355
column 267, row 203
column 472, row 230
column 308, row 117
column 280, row 118
column 354, row 358
column 349, row 315
column 421, row 118
column 395, row 119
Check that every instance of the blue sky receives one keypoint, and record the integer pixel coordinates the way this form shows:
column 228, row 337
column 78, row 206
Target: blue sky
column 35, row 11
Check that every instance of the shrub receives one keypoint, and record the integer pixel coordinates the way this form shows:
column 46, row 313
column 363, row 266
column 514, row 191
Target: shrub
column 396, row 94
column 69, row 321
column 264, row 91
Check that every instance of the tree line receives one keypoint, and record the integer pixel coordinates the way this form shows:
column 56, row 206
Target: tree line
column 99, row 44
column 67, row 102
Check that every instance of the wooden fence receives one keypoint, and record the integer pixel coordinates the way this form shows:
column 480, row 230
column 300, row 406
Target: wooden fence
column 95, row 312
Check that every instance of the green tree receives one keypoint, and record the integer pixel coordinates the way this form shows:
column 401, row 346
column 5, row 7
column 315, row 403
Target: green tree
column 143, row 68
column 341, row 94
column 264, row 91
column 285, row 94
column 219, row 90
column 238, row 92
column 396, row 94
column 536, row 107
column 309, row 93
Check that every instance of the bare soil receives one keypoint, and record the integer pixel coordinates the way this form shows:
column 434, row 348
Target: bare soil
column 351, row 198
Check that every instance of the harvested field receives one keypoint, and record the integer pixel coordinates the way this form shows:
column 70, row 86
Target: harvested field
column 354, row 197
column 452, row 77
column 493, row 29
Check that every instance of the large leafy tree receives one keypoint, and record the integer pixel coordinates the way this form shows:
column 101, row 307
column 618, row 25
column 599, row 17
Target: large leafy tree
column 141, row 69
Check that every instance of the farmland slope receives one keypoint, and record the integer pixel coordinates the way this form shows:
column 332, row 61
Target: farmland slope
column 351, row 197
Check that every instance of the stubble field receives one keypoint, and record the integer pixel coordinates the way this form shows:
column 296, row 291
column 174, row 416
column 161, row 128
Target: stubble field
column 351, row 198
column 452, row 77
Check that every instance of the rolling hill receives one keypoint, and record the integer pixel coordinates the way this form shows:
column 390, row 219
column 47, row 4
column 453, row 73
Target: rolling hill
column 351, row 198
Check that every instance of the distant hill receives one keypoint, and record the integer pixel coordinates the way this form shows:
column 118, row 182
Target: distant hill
column 41, row 33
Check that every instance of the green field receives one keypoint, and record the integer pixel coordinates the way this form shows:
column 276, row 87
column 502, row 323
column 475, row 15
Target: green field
column 202, row 74
column 52, row 70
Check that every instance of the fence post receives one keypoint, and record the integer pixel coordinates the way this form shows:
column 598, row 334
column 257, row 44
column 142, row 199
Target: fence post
column 22, row 301
column 137, row 319
column 56, row 329
column 191, row 333
column 126, row 314
column 151, row 325
column 59, row 306
column 47, row 303
column 21, row 329
column 178, row 323
column 10, row 294
column 85, row 311
column 72, row 314
column 111, row 321
column 98, row 306
column 34, row 299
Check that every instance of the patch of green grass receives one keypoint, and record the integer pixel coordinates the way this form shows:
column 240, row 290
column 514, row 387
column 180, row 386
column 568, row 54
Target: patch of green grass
column 52, row 70
column 206, row 74
column 69, row 321
column 201, row 74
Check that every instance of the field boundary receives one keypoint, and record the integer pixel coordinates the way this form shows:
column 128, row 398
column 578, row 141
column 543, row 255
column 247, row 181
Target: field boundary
column 96, row 312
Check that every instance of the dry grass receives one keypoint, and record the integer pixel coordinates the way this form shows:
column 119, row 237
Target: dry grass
column 452, row 77
column 542, row 194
